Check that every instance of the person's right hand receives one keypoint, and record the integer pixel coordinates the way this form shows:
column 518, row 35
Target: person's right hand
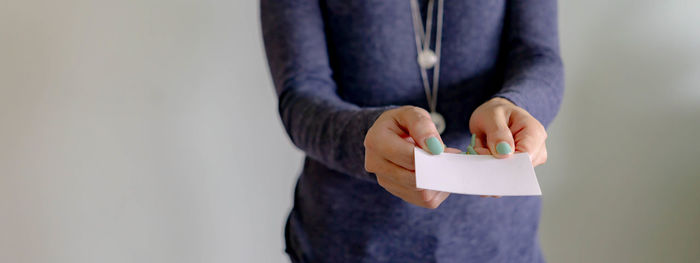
column 389, row 147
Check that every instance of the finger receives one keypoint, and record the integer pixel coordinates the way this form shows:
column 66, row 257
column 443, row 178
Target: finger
column 393, row 148
column 438, row 199
column 409, row 139
column 528, row 143
column 530, row 136
column 420, row 127
column 541, row 158
column 482, row 151
column 428, row 194
column 531, row 145
column 411, row 195
column 407, row 194
column 391, row 171
column 499, row 138
column 452, row 150
column 480, row 148
column 432, row 199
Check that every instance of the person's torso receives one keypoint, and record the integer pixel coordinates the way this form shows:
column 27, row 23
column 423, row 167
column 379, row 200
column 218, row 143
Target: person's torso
column 372, row 52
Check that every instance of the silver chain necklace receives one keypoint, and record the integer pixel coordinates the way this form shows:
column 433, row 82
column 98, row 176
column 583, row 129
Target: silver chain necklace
column 427, row 58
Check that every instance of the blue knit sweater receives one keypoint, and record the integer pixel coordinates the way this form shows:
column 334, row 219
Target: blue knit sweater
column 338, row 64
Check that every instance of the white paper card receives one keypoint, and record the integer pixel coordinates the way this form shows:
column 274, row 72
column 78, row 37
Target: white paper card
column 476, row 174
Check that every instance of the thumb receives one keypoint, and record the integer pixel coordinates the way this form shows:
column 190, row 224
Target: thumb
column 499, row 138
column 421, row 128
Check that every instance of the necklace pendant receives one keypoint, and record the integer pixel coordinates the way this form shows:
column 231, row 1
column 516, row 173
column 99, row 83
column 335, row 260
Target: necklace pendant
column 427, row 59
column 439, row 121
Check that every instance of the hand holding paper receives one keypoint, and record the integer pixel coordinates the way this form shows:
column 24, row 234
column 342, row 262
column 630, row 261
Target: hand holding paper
column 389, row 153
column 476, row 174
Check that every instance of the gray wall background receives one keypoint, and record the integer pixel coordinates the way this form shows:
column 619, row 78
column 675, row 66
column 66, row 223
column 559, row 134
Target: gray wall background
column 147, row 131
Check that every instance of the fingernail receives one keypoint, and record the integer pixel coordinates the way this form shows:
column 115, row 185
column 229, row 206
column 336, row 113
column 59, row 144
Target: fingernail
column 434, row 145
column 503, row 148
column 473, row 142
column 471, row 150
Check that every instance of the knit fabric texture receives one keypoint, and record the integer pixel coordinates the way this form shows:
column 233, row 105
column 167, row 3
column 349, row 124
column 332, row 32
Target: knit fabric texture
column 339, row 64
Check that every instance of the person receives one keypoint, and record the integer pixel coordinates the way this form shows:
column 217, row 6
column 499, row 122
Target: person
column 353, row 79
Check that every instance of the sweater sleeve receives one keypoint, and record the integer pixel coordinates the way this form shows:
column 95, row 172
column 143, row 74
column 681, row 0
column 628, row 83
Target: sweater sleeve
column 327, row 128
column 534, row 73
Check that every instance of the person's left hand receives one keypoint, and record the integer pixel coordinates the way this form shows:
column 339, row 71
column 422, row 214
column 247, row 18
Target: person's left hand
column 500, row 126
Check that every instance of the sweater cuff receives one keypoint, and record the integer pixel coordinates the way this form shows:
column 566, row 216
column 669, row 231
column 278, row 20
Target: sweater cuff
column 362, row 122
column 530, row 95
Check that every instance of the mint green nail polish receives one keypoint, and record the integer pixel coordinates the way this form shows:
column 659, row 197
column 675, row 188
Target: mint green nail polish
column 503, row 148
column 471, row 150
column 473, row 140
column 434, row 145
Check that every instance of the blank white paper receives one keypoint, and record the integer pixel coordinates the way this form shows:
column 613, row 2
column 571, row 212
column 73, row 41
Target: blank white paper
column 476, row 174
